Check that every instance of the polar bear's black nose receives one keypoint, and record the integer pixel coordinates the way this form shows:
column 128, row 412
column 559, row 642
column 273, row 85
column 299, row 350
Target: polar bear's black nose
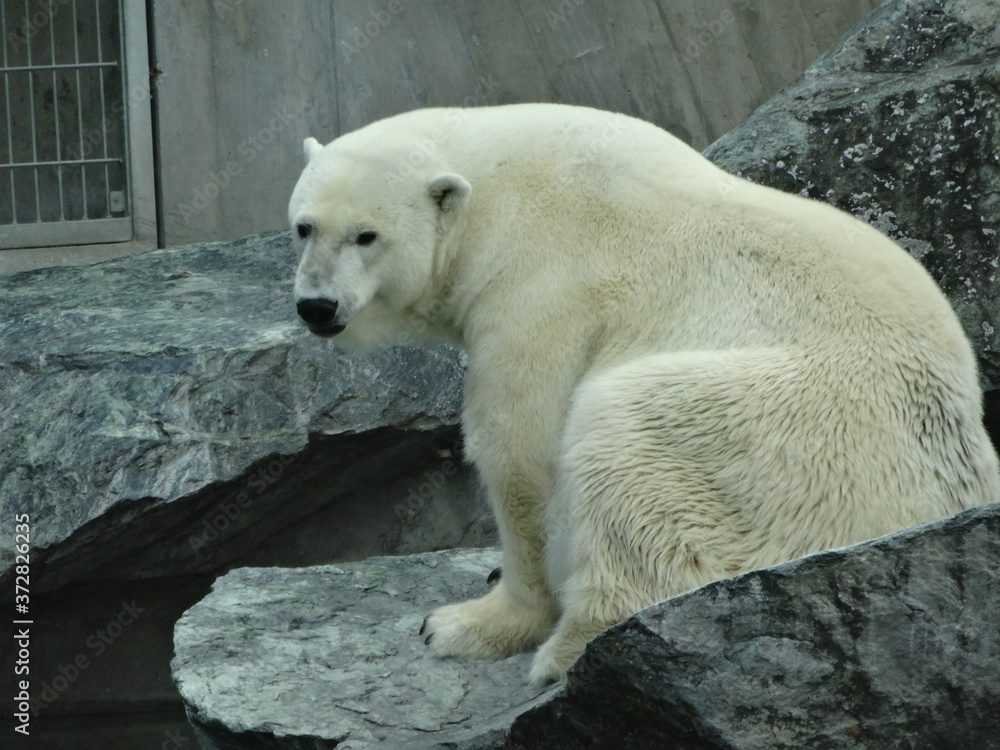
column 317, row 312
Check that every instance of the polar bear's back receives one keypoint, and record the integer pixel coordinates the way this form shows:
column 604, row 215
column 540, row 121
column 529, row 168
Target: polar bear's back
column 475, row 140
column 649, row 225
column 582, row 156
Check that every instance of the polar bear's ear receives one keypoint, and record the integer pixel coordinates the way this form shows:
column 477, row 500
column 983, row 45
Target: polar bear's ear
column 311, row 147
column 449, row 191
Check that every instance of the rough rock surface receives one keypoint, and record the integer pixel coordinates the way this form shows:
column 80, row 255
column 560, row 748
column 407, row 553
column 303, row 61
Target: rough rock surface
column 892, row 643
column 889, row 644
column 899, row 124
column 166, row 414
column 329, row 656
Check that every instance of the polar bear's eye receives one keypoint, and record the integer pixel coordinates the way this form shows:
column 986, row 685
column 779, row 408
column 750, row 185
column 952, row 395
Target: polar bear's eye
column 304, row 230
column 366, row 237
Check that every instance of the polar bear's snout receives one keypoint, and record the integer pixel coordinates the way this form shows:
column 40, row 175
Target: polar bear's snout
column 319, row 314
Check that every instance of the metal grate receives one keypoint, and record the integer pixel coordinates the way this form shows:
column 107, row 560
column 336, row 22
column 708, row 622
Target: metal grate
column 64, row 168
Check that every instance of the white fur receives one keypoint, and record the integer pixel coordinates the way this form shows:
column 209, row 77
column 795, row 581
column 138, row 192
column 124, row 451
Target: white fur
column 674, row 375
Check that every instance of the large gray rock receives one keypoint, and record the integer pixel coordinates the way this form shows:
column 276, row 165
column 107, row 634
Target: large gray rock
column 899, row 124
column 888, row 644
column 329, row 657
column 166, row 414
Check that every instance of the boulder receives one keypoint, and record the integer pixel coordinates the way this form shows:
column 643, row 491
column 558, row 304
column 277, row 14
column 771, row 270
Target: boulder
column 899, row 123
column 165, row 414
column 329, row 656
column 889, row 643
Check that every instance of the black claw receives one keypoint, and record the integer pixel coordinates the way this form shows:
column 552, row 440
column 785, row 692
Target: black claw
column 427, row 640
column 493, row 577
column 423, row 627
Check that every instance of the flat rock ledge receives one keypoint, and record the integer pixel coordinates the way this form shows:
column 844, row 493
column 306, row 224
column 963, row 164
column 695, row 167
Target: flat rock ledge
column 166, row 414
column 329, row 657
column 894, row 643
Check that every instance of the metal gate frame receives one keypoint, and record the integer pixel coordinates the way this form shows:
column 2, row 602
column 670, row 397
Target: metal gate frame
column 139, row 223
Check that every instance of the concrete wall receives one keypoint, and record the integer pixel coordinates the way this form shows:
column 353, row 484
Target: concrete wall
column 242, row 82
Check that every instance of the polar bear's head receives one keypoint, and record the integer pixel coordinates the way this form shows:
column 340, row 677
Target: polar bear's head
column 368, row 240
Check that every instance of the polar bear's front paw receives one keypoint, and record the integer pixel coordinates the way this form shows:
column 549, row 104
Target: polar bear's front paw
column 492, row 626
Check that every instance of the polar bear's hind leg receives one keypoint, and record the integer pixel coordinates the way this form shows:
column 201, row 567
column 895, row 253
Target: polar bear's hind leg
column 662, row 485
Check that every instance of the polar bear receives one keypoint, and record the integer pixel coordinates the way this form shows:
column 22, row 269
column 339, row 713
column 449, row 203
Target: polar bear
column 674, row 375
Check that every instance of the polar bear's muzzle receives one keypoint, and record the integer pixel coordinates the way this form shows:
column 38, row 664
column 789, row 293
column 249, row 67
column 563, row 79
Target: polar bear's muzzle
column 319, row 315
